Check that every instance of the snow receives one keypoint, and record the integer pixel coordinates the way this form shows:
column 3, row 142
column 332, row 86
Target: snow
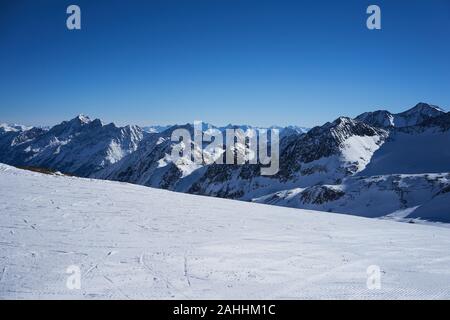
column 389, row 196
column 436, row 209
column 114, row 152
column 84, row 119
column 13, row 128
column 401, row 214
column 415, row 152
column 155, row 128
column 136, row 242
column 359, row 149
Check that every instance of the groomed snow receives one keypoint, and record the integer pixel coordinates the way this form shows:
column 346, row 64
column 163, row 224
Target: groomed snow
column 136, row 242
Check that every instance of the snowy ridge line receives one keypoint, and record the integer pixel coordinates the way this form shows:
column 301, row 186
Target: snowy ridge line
column 327, row 162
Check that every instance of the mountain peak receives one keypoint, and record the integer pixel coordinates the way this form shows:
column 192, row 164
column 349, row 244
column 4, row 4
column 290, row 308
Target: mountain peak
column 424, row 109
column 82, row 118
column 411, row 117
column 343, row 120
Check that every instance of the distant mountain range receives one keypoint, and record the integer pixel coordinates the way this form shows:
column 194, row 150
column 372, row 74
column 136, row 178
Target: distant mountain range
column 378, row 164
column 80, row 146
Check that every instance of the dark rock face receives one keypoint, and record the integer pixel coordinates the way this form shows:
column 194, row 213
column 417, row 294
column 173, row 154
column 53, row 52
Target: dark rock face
column 320, row 195
column 380, row 118
column 321, row 142
column 442, row 121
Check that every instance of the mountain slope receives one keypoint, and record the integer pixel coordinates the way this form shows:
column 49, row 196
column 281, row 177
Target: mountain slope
column 152, row 165
column 405, row 178
column 417, row 150
column 319, row 163
column 376, row 196
column 325, row 154
column 80, row 146
column 132, row 242
column 414, row 116
column 4, row 127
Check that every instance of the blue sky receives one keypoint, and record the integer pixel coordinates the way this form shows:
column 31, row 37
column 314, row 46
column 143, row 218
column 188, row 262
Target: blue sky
column 240, row 61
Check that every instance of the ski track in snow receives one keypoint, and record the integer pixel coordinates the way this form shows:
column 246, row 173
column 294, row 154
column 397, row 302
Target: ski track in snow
column 134, row 242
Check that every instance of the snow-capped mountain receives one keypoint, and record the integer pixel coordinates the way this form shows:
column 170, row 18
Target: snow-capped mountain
column 290, row 130
column 4, row 127
column 80, row 146
column 324, row 154
column 284, row 131
column 334, row 167
column 414, row 116
column 11, row 139
column 407, row 177
column 155, row 128
column 152, row 165
column 423, row 148
column 318, row 166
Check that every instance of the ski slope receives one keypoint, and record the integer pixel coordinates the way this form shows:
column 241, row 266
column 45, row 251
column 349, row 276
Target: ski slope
column 134, row 242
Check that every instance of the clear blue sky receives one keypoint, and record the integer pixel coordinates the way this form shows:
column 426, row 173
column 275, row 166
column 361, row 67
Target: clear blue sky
column 240, row 61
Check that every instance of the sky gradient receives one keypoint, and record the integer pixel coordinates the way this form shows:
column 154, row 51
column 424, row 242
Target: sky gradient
column 220, row 61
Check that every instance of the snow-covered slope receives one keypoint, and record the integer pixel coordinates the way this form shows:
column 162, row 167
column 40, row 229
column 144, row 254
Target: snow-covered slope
column 411, row 196
column 135, row 242
column 417, row 150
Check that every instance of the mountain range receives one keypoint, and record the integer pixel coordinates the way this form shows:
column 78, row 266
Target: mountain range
column 379, row 164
